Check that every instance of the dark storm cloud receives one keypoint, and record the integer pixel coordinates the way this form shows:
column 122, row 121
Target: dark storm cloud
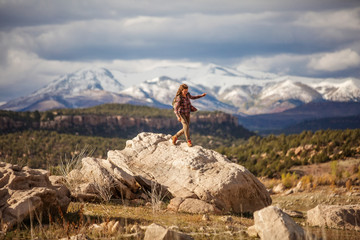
column 292, row 37
column 187, row 35
column 38, row 12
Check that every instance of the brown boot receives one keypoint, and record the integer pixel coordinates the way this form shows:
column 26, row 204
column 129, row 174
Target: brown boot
column 174, row 139
column 189, row 143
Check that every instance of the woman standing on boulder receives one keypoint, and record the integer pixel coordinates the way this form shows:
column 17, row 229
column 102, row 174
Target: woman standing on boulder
column 182, row 109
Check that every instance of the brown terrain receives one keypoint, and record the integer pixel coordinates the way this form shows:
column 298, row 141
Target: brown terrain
column 321, row 186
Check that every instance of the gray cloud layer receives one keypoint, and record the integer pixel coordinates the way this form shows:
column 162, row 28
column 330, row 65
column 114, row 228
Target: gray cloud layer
column 41, row 38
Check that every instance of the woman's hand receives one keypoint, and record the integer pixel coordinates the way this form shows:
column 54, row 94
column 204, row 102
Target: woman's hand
column 179, row 119
column 204, row 94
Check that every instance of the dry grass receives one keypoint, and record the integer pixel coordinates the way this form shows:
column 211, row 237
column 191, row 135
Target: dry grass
column 81, row 216
column 157, row 195
column 187, row 223
column 269, row 183
column 134, row 216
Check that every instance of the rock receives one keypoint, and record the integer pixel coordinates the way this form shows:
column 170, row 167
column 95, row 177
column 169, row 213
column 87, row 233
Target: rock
column 107, row 227
column 26, row 190
column 205, row 217
column 298, row 150
column 191, row 205
column 96, row 227
column 191, row 173
column 174, row 228
column 251, row 231
column 99, row 179
column 157, row 232
column 226, row 219
column 335, row 216
column 279, row 188
column 288, row 192
column 294, row 214
column 298, row 188
column 175, row 204
column 62, row 192
column 272, row 223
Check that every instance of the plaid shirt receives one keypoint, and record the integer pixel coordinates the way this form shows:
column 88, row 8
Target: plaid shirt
column 183, row 105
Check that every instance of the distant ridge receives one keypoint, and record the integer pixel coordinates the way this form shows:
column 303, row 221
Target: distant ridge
column 336, row 123
column 311, row 111
column 121, row 120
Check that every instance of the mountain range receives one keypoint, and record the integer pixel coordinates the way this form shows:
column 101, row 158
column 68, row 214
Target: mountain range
column 230, row 90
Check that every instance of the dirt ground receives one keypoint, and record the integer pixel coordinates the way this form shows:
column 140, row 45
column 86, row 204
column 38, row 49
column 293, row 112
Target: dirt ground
column 346, row 165
column 304, row 201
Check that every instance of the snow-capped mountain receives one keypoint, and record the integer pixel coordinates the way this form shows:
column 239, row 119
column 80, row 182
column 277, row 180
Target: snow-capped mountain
column 230, row 90
column 83, row 88
column 241, row 96
column 346, row 91
column 210, row 76
column 162, row 91
column 81, row 80
column 282, row 96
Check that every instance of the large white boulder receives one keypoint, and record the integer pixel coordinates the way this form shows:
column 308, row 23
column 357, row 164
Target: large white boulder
column 271, row 223
column 335, row 216
column 24, row 191
column 194, row 172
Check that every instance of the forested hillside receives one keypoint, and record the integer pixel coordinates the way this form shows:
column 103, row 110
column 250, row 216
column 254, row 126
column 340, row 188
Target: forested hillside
column 263, row 156
column 42, row 139
column 272, row 155
column 105, row 109
column 45, row 149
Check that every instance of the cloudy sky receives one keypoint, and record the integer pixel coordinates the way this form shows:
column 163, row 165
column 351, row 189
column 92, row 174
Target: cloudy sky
column 42, row 39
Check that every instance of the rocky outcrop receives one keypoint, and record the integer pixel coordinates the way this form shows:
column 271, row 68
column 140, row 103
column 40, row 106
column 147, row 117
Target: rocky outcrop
column 191, row 173
column 271, row 223
column 24, row 191
column 63, row 122
column 335, row 216
column 99, row 179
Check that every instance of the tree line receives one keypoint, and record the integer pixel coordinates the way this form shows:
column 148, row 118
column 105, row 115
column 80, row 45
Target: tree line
column 272, row 155
column 263, row 156
column 104, row 109
column 46, row 149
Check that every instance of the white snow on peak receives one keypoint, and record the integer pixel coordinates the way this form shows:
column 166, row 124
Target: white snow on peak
column 348, row 90
column 161, row 89
column 232, row 90
column 289, row 89
column 84, row 79
column 210, row 75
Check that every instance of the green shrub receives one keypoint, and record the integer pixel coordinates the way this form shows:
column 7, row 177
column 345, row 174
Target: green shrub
column 289, row 180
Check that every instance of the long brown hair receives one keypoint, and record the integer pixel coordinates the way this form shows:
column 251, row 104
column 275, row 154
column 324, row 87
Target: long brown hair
column 182, row 87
